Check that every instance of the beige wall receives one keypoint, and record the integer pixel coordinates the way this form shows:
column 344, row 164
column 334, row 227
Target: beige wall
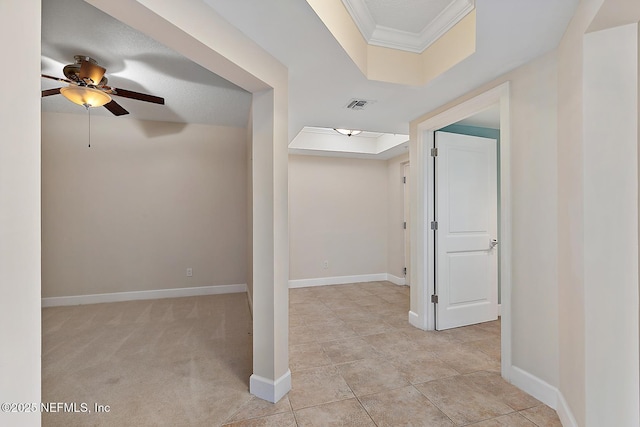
column 338, row 213
column 571, row 325
column 395, row 216
column 570, row 213
column 611, row 218
column 597, row 215
column 20, row 210
column 146, row 201
column 534, row 206
column 574, row 221
column 533, row 214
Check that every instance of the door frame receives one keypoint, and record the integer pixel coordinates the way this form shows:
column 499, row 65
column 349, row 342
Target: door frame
column 406, row 217
column 422, row 266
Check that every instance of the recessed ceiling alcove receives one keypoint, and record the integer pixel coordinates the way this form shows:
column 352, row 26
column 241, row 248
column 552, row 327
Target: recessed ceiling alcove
column 407, row 43
column 411, row 26
column 317, row 141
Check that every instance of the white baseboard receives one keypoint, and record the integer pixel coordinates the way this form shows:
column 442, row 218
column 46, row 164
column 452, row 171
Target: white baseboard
column 143, row 295
column 414, row 320
column 544, row 392
column 341, row 280
column 540, row 389
column 564, row 413
column 271, row 391
column 400, row 281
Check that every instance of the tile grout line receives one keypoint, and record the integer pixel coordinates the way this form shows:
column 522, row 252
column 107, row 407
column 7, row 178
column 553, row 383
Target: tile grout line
column 295, row 419
column 358, row 399
column 365, row 409
column 434, row 405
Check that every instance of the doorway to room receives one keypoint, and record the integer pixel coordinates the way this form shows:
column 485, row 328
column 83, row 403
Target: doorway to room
column 422, row 314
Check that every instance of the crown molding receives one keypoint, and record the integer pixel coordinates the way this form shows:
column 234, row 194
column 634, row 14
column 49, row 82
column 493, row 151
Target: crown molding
column 361, row 15
column 393, row 38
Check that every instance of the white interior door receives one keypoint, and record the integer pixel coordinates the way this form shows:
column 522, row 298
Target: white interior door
column 466, row 273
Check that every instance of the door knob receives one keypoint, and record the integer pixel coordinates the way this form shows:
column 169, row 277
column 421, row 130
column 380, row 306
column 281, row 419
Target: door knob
column 493, row 243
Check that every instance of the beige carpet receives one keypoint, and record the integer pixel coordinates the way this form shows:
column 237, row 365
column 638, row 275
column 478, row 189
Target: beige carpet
column 354, row 360
column 173, row 362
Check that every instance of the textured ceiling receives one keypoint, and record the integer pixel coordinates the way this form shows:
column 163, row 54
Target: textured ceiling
column 322, row 77
column 134, row 62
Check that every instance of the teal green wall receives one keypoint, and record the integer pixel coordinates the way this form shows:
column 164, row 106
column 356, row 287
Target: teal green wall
column 485, row 133
column 474, row 131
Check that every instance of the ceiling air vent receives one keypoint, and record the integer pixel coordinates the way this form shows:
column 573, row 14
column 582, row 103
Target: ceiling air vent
column 358, row 104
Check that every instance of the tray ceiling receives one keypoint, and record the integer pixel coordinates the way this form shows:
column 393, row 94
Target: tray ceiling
column 409, row 25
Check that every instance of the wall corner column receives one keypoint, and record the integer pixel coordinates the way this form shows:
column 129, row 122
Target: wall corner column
column 610, row 225
column 271, row 378
column 20, row 270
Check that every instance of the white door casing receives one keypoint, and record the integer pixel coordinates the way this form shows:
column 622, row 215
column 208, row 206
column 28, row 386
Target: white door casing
column 466, row 212
column 407, row 230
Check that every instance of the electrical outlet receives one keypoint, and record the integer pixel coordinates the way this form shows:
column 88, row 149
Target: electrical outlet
column 189, row 272
column 325, row 264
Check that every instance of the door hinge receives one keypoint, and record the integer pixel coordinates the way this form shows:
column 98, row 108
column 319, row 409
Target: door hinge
column 404, row 225
column 404, row 271
column 434, row 299
column 404, row 179
column 434, row 152
column 434, row 225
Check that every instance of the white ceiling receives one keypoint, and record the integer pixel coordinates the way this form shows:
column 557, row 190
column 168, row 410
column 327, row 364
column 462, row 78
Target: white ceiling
column 322, row 76
column 135, row 62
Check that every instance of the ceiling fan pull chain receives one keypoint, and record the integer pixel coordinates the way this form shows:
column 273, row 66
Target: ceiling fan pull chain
column 89, row 112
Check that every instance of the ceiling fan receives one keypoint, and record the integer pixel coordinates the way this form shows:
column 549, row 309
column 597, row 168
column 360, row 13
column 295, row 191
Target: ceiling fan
column 87, row 86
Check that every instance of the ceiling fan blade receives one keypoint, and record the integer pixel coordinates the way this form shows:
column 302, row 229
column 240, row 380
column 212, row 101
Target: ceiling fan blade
column 115, row 108
column 137, row 95
column 50, row 92
column 57, row 79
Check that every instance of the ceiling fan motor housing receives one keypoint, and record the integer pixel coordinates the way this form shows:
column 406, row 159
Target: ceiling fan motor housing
column 85, row 71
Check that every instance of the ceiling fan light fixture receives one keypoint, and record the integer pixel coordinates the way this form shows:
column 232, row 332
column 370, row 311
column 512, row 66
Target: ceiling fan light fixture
column 347, row 132
column 85, row 96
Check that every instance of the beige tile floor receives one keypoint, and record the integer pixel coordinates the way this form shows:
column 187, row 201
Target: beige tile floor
column 354, row 360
